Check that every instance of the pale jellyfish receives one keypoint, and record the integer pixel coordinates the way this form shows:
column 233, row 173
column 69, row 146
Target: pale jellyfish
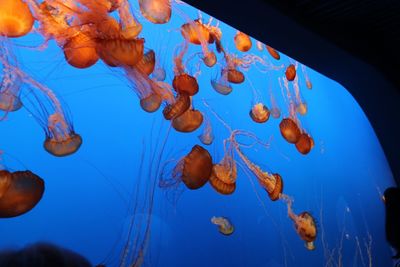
column 225, row 227
column 259, row 46
column 156, row 11
column 308, row 81
column 207, row 136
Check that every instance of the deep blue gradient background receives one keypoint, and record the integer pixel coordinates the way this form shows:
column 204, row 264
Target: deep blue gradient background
column 83, row 208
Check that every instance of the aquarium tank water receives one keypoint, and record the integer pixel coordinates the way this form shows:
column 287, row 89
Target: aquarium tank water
column 147, row 133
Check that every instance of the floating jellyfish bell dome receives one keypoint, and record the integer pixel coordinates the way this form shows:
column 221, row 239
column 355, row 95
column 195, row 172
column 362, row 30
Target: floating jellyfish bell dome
column 20, row 191
column 16, row 19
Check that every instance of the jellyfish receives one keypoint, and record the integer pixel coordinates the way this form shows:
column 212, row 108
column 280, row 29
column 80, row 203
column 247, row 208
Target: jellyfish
column 195, row 168
column 178, row 107
column 308, row 81
column 273, row 52
column 235, row 76
column 156, row 11
column 290, row 72
column 224, row 174
column 10, row 89
column 242, row 41
column 259, row 113
column 16, row 19
column 225, row 227
column 184, row 83
column 305, row 143
column 259, row 46
column 300, row 105
column 80, row 51
column 20, row 192
column 304, row 224
column 60, row 136
column 290, row 130
column 207, row 136
column 188, row 122
column 195, row 32
column 147, row 63
column 274, row 110
column 222, row 84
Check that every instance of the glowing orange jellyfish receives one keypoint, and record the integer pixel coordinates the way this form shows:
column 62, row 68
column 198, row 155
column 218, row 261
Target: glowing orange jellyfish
column 61, row 139
column 178, row 107
column 305, row 143
column 184, row 83
column 80, row 51
column 242, row 41
column 224, row 174
column 304, row 224
column 290, row 72
column 273, row 52
column 156, row 11
column 16, row 19
column 188, row 122
column 195, row 168
column 259, row 113
column 290, row 130
column 235, row 76
column 20, row 191
column 147, row 63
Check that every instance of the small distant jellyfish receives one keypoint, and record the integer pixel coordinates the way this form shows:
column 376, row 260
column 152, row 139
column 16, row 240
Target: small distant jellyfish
column 222, row 84
column 308, row 81
column 20, row 192
column 10, row 89
column 290, row 130
column 225, row 227
column 305, row 143
column 301, row 108
column 242, row 41
column 207, row 136
column 259, row 113
column 304, row 224
column 260, row 46
column 156, row 11
column 290, row 72
column 16, row 19
column 235, row 76
column 224, row 174
column 273, row 52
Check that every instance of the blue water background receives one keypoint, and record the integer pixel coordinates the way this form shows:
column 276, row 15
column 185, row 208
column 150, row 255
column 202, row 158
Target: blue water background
column 84, row 207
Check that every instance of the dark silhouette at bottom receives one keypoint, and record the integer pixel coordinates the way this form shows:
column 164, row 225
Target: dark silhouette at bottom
column 391, row 198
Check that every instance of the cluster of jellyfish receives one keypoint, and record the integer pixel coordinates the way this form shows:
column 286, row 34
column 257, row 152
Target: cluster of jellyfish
column 91, row 30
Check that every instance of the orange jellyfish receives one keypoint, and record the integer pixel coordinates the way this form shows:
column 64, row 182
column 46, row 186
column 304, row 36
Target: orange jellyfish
column 156, row 11
column 178, row 107
column 16, row 19
column 235, row 76
column 273, row 52
column 304, row 224
column 188, row 122
column 308, row 81
column 225, row 227
column 80, row 51
column 259, row 113
column 305, row 143
column 195, row 168
column 147, row 63
column 290, row 72
column 290, row 130
column 242, row 41
column 207, row 136
column 195, row 32
column 224, row 174
column 222, row 85
column 20, row 191
column 10, row 89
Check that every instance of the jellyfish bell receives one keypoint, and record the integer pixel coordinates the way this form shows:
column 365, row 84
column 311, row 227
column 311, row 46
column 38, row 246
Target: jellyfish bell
column 184, row 83
column 273, row 52
column 195, row 31
column 20, row 191
column 151, row 103
column 290, row 72
column 290, row 131
column 235, row 76
column 225, row 227
column 80, row 51
column 64, row 147
column 222, row 85
column 16, row 19
column 147, row 63
column 120, row 52
column 223, row 178
column 210, row 59
column 10, row 87
column 188, row 122
column 305, row 143
column 275, row 112
column 207, row 136
column 181, row 104
column 301, row 108
column 259, row 46
column 242, row 41
column 259, row 113
column 306, row 228
column 195, row 168
column 156, row 11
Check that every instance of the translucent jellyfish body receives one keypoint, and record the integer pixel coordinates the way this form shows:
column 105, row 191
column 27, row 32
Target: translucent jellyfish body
column 188, row 122
column 20, row 191
column 156, row 11
column 16, row 19
column 225, row 227
column 259, row 113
